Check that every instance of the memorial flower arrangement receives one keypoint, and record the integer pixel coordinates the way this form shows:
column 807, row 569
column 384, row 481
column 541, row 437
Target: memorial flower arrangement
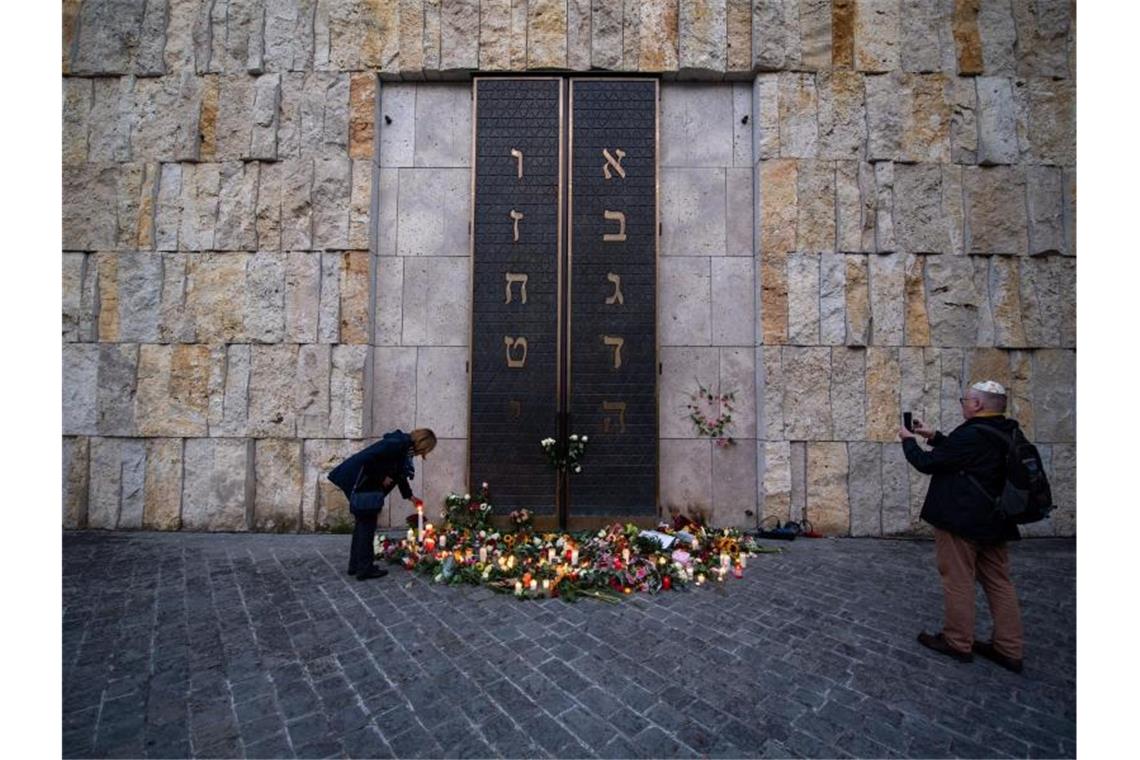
column 521, row 519
column 606, row 564
column 568, row 458
column 711, row 414
column 467, row 512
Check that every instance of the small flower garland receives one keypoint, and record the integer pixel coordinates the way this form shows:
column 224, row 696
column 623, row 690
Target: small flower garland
column 712, row 427
column 571, row 459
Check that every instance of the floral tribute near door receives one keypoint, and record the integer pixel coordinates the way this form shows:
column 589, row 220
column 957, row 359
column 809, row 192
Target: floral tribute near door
column 606, row 564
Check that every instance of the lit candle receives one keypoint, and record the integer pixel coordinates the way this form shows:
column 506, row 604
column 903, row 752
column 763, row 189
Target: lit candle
column 574, row 557
column 550, row 556
column 723, row 560
column 738, row 571
column 696, row 545
column 411, row 536
column 546, row 586
column 518, row 588
column 625, row 555
column 700, row 579
column 419, row 518
column 483, row 554
column 533, row 584
column 744, row 560
column 442, row 540
column 511, row 562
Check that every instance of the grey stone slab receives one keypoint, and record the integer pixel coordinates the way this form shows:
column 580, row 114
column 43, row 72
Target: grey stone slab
column 693, row 212
column 696, row 125
column 682, row 370
column 397, row 124
column 442, row 125
column 433, row 212
column 733, row 288
column 214, row 488
column 739, row 210
column 685, row 301
column 997, row 121
column 441, row 390
column 686, row 467
column 435, row 298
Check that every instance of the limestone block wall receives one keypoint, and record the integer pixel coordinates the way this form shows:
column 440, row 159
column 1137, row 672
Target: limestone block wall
column 259, row 274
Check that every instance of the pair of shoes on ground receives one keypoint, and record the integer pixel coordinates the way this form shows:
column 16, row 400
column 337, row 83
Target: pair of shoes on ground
column 372, row 571
column 986, row 649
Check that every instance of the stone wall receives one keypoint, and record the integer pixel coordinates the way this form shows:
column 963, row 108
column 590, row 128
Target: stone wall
column 259, row 273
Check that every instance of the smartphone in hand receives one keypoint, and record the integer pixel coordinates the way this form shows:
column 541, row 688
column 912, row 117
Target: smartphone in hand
column 908, row 421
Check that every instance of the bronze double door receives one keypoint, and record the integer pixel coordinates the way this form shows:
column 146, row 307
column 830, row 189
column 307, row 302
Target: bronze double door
column 564, row 292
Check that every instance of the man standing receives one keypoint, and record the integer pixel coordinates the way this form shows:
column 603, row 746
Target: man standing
column 970, row 538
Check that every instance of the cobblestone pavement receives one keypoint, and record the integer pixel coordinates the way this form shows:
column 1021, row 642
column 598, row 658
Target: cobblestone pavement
column 261, row 646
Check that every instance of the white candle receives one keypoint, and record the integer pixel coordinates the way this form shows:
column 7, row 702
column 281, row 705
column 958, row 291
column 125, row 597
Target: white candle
column 533, row 584
column 550, row 554
column 546, row 586
column 744, row 560
column 483, row 554
column 723, row 560
column 442, row 541
column 625, row 555
column 574, row 557
column 518, row 588
column 411, row 536
column 420, row 519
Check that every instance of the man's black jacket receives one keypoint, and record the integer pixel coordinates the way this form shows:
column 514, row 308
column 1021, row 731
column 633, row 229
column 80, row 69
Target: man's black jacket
column 390, row 457
column 953, row 503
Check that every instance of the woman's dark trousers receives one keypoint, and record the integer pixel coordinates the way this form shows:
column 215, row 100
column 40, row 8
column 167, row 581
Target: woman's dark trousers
column 361, row 555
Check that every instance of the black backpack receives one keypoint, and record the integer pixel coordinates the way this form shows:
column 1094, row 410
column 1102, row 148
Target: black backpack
column 1025, row 496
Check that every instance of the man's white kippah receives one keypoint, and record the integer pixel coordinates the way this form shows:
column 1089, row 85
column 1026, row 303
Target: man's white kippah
column 989, row 386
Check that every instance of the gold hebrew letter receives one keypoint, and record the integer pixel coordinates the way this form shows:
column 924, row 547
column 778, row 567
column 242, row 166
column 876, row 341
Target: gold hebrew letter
column 515, row 409
column 516, row 215
column 517, row 154
column 616, row 280
column 512, row 343
column 614, row 162
column 614, row 216
column 613, row 406
column 513, row 278
column 617, row 343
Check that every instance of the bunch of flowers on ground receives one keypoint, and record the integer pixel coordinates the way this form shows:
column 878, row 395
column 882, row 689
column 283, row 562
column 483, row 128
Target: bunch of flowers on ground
column 468, row 513
column 521, row 519
column 607, row 564
column 568, row 458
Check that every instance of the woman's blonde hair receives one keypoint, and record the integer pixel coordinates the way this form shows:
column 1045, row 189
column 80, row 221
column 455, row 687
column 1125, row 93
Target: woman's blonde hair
column 423, row 441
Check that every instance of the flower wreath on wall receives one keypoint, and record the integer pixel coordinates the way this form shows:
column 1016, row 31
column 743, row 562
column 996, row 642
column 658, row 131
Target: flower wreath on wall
column 711, row 413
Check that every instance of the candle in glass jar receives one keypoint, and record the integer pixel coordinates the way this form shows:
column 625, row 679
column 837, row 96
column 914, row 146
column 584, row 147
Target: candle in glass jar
column 546, row 586
column 518, row 588
column 442, row 541
column 533, row 584
column 574, row 557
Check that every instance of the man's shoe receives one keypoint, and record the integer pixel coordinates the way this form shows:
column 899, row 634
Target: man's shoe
column 940, row 645
column 986, row 649
column 370, row 572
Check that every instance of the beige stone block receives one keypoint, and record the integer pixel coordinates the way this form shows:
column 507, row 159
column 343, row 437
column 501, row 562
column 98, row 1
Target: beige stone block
column 997, row 121
column 433, row 212
column 686, row 474
column 952, row 301
column 265, row 297
column 605, row 34
column 1043, row 31
column 803, row 299
column 815, row 228
column 265, row 116
column 738, row 376
column 779, row 206
column 734, row 492
column 766, row 116
column 173, row 390
column 1046, row 209
column 73, row 312
column 297, row 204
column 231, row 128
column 696, row 125
column 916, row 322
column 215, row 285
column 394, row 388
column 849, row 208
column 828, row 504
column 895, row 510
column 410, row 37
column 90, row 193
column 920, row 384
column 78, row 96
column 964, row 120
column 115, row 390
column 328, row 310
column 517, row 60
column 362, row 115
column 776, row 482
column 215, row 488
column 272, row 391
column 459, row 35
column 443, row 472
column 546, row 35
column 995, row 210
column 920, row 223
column 1005, row 302
column 858, row 301
column 832, row 299
column 314, row 372
column 774, row 298
column 885, row 114
column 799, row 116
column 441, row 391
column 278, row 478
column 389, row 301
column 684, row 302
column 661, row 35
column 815, row 24
column 578, row 35
column 883, row 384
column 436, row 297
column 877, row 27
column 888, row 299
column 848, row 393
column 1020, row 391
column 109, row 123
column 107, row 288
column 732, row 297
column 738, row 23
column 117, row 476
column 998, row 36
column 953, row 208
column 631, row 35
column 865, row 488
column 842, row 115
column 775, row 35
column 1063, row 483
column 703, row 35
column 799, row 480
column 235, row 228
column 952, row 365
column 774, row 388
column 162, row 497
column 967, row 37
column 884, row 173
column 443, row 125
column 176, row 322
column 346, row 391
column 926, row 41
column 331, row 197
column 354, row 293
column 807, row 393
column 1055, row 395
column 302, row 295
column 76, row 464
column 200, row 186
column 322, row 503
column 208, row 119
